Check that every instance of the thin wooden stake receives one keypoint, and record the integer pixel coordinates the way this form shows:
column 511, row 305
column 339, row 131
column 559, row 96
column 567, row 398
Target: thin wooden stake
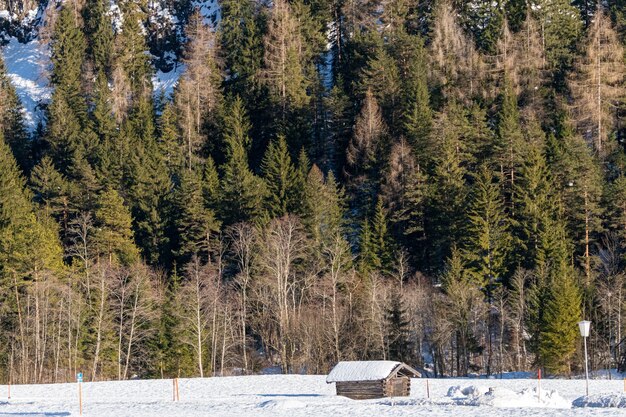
column 9, row 389
column 427, row 389
column 539, row 385
column 177, row 391
column 80, row 398
column 174, row 389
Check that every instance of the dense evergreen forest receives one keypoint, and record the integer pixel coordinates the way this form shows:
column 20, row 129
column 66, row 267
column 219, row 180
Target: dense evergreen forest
column 439, row 182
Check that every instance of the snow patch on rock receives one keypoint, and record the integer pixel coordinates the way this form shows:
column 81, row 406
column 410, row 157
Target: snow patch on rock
column 27, row 67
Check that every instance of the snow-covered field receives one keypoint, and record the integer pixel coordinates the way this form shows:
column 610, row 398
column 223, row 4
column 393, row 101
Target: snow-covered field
column 304, row 396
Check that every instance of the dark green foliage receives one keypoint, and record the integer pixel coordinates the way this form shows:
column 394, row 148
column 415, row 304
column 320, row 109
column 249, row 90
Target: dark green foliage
column 488, row 239
column 99, row 31
column 241, row 43
column 195, row 222
column 280, row 179
column 484, row 19
column 242, row 192
column 559, row 334
column 398, row 333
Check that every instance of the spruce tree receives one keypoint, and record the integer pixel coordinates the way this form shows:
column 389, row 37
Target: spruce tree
column 195, row 223
column 559, row 334
column 322, row 207
column 114, row 235
column 241, row 43
column 12, row 123
column 382, row 78
column 561, row 27
column 242, row 192
column 368, row 259
column 99, row 31
column 488, row 240
column 130, row 48
column 280, row 178
column 147, row 182
column 383, row 243
column 510, row 141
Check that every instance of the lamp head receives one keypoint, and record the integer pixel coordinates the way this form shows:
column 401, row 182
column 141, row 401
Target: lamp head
column 584, row 327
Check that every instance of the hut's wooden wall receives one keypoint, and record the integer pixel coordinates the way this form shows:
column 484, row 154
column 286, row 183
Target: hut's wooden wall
column 365, row 390
column 398, row 387
column 361, row 390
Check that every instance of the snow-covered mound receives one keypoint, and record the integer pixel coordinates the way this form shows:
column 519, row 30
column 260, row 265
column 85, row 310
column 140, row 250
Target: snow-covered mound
column 504, row 397
column 601, row 401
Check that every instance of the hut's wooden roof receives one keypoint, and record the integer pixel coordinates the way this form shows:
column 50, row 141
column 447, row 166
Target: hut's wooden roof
column 349, row 371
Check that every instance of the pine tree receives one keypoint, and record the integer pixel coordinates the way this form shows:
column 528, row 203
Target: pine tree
column 241, row 43
column 52, row 191
column 447, row 205
column 580, row 180
column 382, row 241
column 559, row 334
column 195, row 222
column 322, row 207
column 616, row 213
column 381, row 77
column 398, row 330
column 536, row 205
column 368, row 260
column 67, row 56
column 12, row 125
column 488, row 237
column 28, row 245
column 242, row 192
column 99, row 32
column 104, row 123
column 418, row 115
column 484, row 19
column 130, row 51
column 170, row 141
column 280, row 178
column 114, row 235
column 510, row 142
column 69, row 134
column 338, row 125
column 560, row 27
column 147, row 181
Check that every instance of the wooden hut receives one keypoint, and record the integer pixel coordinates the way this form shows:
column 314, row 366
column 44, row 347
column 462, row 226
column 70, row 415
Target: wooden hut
column 361, row 380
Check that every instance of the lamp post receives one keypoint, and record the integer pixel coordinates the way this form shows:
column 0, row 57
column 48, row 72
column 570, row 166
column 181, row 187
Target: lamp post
column 584, row 327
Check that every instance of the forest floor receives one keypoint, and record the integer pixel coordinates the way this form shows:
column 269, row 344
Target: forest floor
column 304, row 396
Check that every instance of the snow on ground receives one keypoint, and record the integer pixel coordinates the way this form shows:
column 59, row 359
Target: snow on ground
column 165, row 82
column 307, row 396
column 602, row 401
column 210, row 10
column 27, row 65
